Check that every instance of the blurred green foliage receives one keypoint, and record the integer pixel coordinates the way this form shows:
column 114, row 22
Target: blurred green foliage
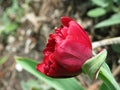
column 114, row 19
column 97, row 12
column 116, row 48
column 3, row 60
column 10, row 18
column 33, row 84
column 104, row 7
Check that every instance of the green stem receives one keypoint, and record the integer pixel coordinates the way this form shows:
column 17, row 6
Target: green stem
column 106, row 76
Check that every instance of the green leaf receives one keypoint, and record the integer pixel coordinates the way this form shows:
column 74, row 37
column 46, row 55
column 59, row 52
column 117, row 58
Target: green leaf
column 15, row 9
column 101, row 3
column 113, row 20
column 3, row 60
column 97, row 12
column 93, row 65
column 9, row 28
column 116, row 48
column 105, row 66
column 117, row 2
column 4, row 18
column 58, row 84
column 96, row 67
column 106, row 76
column 103, row 87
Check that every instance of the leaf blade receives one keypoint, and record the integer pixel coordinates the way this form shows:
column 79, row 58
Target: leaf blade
column 59, row 84
column 113, row 20
column 97, row 12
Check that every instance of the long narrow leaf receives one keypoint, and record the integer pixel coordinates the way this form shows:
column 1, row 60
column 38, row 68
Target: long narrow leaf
column 113, row 20
column 58, row 84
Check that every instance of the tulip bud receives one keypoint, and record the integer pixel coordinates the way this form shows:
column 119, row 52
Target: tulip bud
column 66, row 51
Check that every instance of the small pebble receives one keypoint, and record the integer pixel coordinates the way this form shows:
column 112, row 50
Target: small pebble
column 18, row 67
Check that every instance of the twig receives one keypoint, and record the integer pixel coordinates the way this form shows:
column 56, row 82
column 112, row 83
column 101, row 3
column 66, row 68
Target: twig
column 109, row 41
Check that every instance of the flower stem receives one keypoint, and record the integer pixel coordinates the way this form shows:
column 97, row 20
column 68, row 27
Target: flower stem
column 106, row 76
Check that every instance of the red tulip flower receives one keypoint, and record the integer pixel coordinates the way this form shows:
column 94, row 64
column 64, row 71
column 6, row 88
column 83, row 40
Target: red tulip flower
column 66, row 51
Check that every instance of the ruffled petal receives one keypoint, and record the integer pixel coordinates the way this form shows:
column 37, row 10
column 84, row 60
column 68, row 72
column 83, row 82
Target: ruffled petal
column 76, row 32
column 65, row 20
column 71, row 55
